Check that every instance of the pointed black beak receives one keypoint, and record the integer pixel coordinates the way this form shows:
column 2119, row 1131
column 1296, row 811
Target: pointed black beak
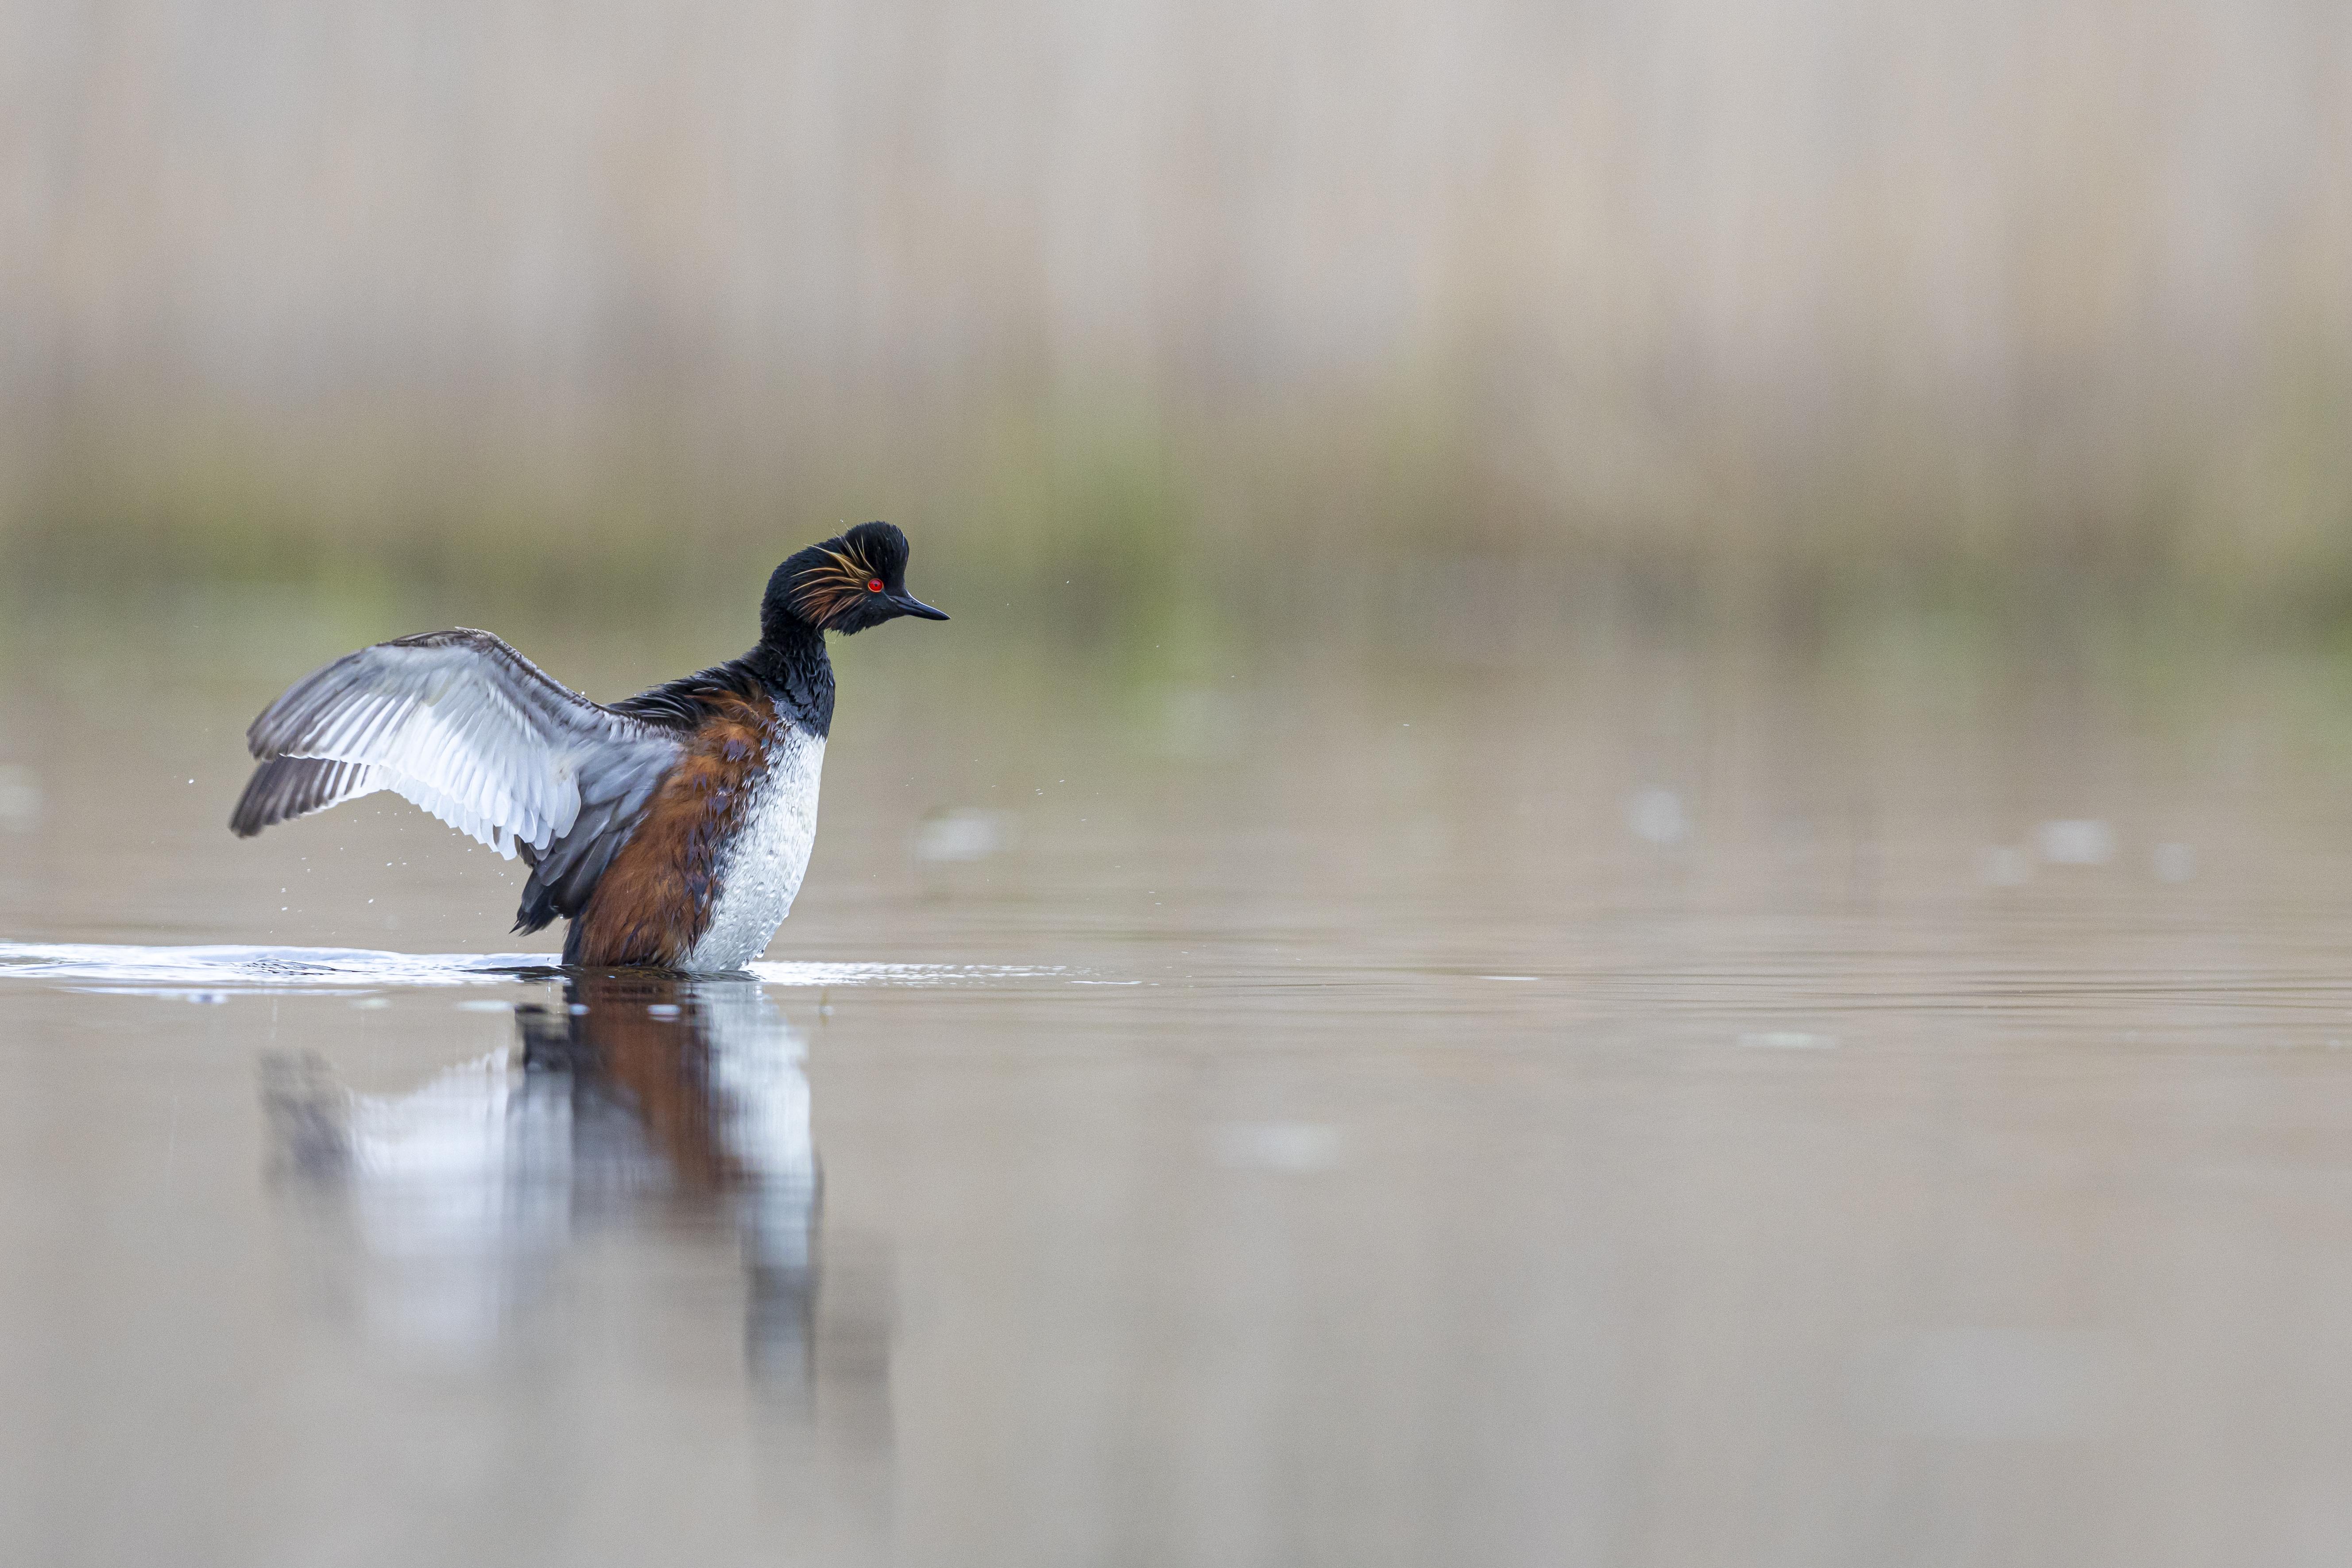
column 910, row 605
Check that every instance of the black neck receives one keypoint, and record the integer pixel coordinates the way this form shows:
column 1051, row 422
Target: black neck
column 791, row 659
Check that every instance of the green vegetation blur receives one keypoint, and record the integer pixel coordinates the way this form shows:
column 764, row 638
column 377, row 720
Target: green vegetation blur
column 1156, row 320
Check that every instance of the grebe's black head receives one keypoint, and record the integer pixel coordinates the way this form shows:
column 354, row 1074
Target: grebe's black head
column 845, row 584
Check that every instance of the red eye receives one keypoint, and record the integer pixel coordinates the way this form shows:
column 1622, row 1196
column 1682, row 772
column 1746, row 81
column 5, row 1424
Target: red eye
column 874, row 585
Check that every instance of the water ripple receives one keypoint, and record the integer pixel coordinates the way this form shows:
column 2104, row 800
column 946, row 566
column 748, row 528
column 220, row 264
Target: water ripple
column 209, row 972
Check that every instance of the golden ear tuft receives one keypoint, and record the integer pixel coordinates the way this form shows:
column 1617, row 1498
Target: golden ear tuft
column 830, row 589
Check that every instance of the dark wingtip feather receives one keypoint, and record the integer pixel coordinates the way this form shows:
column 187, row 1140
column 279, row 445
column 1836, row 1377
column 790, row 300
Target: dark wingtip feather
column 252, row 814
column 284, row 788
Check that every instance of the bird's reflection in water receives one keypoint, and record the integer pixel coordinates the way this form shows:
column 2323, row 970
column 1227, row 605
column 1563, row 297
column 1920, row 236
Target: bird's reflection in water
column 644, row 1103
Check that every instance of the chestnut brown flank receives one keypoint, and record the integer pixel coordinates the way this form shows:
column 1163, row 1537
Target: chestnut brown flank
column 654, row 902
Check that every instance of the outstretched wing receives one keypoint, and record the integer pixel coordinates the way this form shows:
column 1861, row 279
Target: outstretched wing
column 466, row 727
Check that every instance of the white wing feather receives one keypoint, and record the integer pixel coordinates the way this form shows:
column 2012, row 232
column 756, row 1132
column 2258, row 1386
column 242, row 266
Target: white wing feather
column 460, row 723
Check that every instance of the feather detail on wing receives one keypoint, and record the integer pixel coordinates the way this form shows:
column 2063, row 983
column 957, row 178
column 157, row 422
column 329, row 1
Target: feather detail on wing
column 284, row 788
column 462, row 725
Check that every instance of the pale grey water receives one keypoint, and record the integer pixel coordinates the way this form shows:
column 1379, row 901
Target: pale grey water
column 1628, row 1108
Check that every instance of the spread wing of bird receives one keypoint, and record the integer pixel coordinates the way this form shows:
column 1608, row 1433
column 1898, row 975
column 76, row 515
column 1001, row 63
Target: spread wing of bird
column 462, row 725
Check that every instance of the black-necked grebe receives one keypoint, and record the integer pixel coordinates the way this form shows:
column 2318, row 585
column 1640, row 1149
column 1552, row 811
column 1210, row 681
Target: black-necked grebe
column 671, row 828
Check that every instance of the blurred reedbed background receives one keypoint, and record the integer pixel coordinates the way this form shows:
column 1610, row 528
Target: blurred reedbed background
column 1147, row 317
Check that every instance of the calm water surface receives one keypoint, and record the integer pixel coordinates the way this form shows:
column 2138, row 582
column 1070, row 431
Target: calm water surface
column 1630, row 1109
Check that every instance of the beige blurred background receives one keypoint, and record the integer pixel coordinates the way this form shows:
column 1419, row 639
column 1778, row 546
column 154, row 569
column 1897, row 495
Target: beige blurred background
column 1313, row 314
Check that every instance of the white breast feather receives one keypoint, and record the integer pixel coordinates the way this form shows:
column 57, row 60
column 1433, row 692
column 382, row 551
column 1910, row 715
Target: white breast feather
column 762, row 873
